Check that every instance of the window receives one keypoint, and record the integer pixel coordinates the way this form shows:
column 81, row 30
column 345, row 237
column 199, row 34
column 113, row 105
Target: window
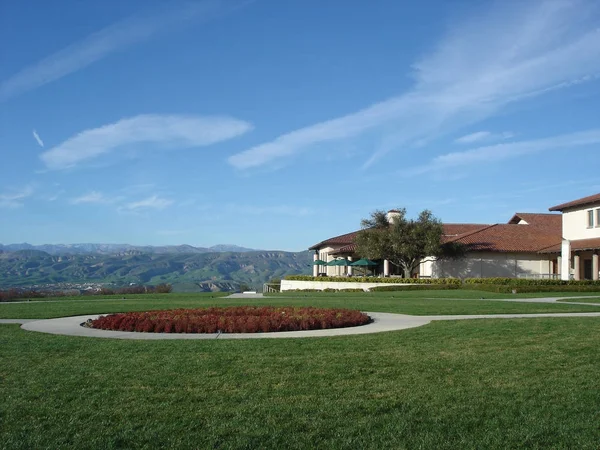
column 598, row 217
column 590, row 218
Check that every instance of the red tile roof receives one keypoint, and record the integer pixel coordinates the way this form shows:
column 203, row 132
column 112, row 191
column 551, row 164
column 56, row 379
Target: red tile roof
column 347, row 249
column 580, row 202
column 509, row 238
column 551, row 223
column 450, row 230
column 343, row 239
column 578, row 245
column 541, row 232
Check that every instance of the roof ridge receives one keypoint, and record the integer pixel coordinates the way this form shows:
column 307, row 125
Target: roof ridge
column 471, row 233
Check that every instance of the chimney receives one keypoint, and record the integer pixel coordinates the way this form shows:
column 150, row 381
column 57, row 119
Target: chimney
column 392, row 214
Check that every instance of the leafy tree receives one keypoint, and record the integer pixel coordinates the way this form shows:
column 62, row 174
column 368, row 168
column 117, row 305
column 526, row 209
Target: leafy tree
column 164, row 288
column 403, row 242
column 243, row 287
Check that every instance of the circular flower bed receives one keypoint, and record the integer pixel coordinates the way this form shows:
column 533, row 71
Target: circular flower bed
column 238, row 319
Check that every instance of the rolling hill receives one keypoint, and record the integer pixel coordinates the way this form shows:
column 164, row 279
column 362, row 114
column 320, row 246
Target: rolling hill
column 184, row 270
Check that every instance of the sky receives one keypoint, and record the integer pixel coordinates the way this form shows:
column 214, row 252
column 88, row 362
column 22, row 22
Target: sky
column 275, row 125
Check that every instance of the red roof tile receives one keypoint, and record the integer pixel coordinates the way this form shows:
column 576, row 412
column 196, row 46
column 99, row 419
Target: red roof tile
column 578, row 245
column 543, row 231
column 343, row 239
column 455, row 229
column 551, row 223
column 580, row 202
column 347, row 249
column 508, row 238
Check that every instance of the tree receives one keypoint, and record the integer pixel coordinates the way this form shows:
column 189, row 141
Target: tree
column 403, row 242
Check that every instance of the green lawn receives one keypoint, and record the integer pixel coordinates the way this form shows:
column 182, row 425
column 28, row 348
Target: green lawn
column 525, row 383
column 415, row 303
column 585, row 300
column 528, row 383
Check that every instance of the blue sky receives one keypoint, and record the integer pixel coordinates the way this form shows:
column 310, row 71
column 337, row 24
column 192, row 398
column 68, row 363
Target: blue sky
column 275, row 125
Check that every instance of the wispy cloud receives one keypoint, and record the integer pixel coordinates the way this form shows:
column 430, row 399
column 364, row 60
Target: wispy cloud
column 494, row 153
column 483, row 136
column 38, row 139
column 93, row 197
column 111, row 39
column 153, row 202
column 516, row 51
column 164, row 131
column 14, row 198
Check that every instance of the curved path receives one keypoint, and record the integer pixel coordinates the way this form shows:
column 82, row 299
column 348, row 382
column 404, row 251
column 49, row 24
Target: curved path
column 71, row 326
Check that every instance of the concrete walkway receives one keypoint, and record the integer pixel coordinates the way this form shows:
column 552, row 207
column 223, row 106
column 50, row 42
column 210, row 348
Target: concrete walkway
column 71, row 326
column 17, row 320
column 559, row 300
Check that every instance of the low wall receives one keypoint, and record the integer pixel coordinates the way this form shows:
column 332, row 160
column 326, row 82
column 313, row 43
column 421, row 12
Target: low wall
column 293, row 285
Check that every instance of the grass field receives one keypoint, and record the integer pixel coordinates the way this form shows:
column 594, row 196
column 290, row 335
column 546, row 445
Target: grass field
column 525, row 383
column 586, row 300
column 415, row 303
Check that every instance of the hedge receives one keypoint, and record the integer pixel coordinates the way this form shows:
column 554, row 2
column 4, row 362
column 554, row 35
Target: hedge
column 508, row 289
column 424, row 287
column 530, row 282
column 454, row 281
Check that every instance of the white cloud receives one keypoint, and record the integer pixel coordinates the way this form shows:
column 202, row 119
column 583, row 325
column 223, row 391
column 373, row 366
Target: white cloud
column 92, row 197
column 153, row 202
column 164, row 131
column 37, row 138
column 513, row 52
column 109, row 40
column 494, row 153
column 483, row 136
column 14, row 198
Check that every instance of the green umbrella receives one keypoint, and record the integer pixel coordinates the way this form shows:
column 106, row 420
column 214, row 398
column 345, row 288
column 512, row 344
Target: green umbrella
column 319, row 262
column 339, row 262
column 364, row 262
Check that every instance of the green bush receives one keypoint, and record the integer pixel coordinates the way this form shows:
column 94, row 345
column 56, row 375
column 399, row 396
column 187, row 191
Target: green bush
column 508, row 289
column 530, row 282
column 454, row 281
column 423, row 287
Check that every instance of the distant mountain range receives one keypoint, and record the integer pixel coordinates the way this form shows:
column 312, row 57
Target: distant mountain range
column 108, row 249
column 187, row 268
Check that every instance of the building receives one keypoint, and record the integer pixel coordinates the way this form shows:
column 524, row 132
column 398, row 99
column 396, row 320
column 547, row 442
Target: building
column 581, row 237
column 530, row 245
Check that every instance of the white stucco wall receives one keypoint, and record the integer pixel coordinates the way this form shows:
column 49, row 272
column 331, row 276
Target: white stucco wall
column 575, row 223
column 491, row 264
column 293, row 285
column 325, row 256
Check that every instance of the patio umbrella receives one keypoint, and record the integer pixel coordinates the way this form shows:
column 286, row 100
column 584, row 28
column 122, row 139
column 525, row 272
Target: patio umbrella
column 339, row 262
column 319, row 262
column 363, row 262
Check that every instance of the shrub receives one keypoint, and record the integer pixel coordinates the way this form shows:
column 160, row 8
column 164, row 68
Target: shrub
column 508, row 289
column 455, row 281
column 241, row 319
column 530, row 282
column 425, row 287
column 163, row 288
